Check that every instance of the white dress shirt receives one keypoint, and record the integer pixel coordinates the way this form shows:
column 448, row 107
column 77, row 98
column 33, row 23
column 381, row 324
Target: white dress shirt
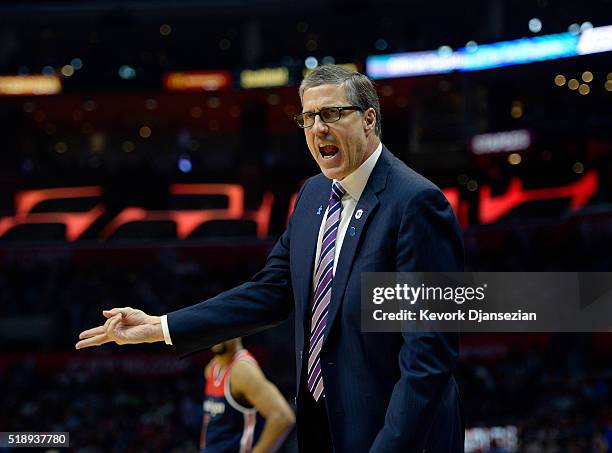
column 353, row 185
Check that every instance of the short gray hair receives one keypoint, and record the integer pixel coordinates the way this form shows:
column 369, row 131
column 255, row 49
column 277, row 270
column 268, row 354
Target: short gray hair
column 359, row 89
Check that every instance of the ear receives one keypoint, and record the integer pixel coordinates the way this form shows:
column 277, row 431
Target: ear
column 369, row 119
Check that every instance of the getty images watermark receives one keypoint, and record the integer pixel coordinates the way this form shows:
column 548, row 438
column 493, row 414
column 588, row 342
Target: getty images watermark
column 457, row 295
column 486, row 302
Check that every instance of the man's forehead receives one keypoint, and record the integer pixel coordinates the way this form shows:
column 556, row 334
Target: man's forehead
column 323, row 95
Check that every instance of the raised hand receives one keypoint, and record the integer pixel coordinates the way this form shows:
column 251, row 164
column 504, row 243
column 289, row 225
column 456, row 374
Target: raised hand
column 123, row 326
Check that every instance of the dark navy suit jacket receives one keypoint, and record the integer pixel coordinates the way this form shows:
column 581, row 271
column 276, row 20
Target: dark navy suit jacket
column 384, row 392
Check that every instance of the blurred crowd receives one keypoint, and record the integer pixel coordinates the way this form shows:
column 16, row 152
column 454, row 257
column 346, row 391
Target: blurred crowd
column 559, row 397
column 104, row 412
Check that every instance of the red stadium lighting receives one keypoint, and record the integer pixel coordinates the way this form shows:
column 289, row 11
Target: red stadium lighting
column 492, row 208
column 76, row 222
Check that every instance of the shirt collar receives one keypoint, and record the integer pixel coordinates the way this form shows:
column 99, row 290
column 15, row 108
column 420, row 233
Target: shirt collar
column 356, row 181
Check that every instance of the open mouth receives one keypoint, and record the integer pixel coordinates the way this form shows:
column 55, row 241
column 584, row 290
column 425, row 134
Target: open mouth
column 328, row 151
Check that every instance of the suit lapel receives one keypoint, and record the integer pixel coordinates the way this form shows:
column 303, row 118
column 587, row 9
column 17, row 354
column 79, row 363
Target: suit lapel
column 356, row 227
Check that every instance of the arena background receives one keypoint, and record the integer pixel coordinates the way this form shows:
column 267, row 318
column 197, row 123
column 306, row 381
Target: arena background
column 156, row 161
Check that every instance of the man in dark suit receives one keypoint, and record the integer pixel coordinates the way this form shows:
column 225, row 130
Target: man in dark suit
column 366, row 212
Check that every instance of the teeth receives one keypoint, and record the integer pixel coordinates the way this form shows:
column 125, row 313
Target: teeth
column 326, row 156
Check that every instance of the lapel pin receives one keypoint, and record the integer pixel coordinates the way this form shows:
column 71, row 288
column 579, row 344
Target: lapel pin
column 358, row 214
column 352, row 231
column 319, row 210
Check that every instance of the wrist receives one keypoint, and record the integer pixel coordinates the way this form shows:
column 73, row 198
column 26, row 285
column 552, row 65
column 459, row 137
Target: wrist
column 157, row 333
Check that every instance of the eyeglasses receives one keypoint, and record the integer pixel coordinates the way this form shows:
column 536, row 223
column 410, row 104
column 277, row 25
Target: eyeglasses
column 327, row 114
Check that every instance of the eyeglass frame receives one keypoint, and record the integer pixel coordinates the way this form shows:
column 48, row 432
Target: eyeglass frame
column 340, row 110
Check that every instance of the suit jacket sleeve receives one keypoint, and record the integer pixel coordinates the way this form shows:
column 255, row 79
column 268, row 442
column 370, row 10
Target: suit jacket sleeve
column 429, row 240
column 261, row 303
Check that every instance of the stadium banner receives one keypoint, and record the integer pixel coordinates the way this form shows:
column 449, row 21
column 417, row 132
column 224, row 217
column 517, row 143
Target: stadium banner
column 486, row 302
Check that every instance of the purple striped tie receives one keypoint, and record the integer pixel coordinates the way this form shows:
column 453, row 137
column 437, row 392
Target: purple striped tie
column 322, row 295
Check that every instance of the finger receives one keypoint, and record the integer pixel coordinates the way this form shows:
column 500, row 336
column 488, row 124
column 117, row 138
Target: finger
column 95, row 331
column 110, row 313
column 112, row 325
column 93, row 341
column 107, row 313
column 108, row 321
column 91, row 332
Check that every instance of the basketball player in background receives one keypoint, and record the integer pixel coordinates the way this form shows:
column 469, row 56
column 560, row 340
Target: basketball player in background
column 243, row 411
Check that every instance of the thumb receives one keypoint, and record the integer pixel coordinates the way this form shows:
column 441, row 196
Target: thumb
column 114, row 311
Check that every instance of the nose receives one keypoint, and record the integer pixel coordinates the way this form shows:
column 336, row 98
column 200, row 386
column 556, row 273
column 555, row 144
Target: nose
column 320, row 126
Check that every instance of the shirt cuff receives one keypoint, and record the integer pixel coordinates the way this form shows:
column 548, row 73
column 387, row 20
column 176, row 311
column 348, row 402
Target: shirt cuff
column 164, row 323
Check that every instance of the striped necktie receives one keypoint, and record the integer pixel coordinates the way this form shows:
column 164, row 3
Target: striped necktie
column 322, row 294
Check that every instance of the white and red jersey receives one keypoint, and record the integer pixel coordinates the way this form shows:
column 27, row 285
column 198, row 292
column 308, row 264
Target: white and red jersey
column 227, row 425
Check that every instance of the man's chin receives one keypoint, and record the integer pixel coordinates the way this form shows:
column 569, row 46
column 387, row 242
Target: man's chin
column 332, row 173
